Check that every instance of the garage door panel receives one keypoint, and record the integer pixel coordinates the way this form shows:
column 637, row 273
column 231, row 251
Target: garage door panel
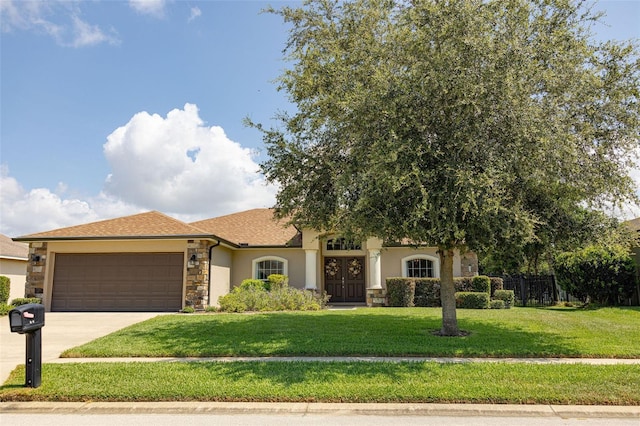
column 118, row 282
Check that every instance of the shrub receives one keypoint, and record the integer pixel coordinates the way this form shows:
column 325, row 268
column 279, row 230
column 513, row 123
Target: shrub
column 605, row 275
column 427, row 292
column 188, row 310
column 463, row 284
column 496, row 284
column 25, row 300
column 4, row 309
column 507, row 296
column 253, row 283
column 481, row 283
column 400, row 292
column 5, row 288
column 472, row 300
column 497, row 304
column 253, row 297
column 276, row 281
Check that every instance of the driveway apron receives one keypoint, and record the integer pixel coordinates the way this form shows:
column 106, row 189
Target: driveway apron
column 61, row 331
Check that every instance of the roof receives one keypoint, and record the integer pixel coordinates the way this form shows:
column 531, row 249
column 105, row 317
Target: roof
column 152, row 224
column 13, row 250
column 633, row 224
column 256, row 227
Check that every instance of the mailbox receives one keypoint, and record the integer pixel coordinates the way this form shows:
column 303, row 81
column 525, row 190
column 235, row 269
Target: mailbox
column 26, row 318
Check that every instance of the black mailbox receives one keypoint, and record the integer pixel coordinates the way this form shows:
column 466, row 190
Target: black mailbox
column 26, row 318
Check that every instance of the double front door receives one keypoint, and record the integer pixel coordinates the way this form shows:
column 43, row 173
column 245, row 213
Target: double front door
column 344, row 279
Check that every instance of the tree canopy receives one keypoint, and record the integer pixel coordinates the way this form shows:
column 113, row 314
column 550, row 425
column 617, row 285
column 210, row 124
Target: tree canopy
column 463, row 124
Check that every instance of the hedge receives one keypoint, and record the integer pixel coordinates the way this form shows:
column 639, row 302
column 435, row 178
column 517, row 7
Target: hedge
column 5, row 286
column 507, row 296
column 400, row 292
column 481, row 283
column 472, row 300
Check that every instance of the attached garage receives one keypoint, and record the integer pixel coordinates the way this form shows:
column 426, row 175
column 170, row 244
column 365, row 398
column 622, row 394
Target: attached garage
column 124, row 282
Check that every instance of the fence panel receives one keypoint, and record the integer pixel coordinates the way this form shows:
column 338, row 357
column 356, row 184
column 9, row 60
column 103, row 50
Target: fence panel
column 532, row 290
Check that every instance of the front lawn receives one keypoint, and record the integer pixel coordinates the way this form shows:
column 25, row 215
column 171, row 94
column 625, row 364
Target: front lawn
column 517, row 332
column 332, row 382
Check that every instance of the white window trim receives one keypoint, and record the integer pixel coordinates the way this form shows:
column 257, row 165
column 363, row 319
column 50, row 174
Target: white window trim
column 435, row 260
column 254, row 264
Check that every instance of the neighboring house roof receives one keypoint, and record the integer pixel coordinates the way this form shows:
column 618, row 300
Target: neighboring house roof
column 10, row 249
column 256, row 227
column 152, row 224
column 633, row 224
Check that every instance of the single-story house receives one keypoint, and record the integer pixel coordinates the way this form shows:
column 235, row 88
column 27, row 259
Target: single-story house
column 13, row 264
column 152, row 262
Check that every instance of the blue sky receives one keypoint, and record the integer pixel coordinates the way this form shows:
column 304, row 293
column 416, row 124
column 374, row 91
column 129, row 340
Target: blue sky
column 109, row 108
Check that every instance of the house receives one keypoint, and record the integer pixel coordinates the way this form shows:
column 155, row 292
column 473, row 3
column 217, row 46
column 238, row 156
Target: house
column 152, row 262
column 13, row 264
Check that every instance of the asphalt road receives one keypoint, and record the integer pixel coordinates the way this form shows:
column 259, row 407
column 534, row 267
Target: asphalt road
column 336, row 419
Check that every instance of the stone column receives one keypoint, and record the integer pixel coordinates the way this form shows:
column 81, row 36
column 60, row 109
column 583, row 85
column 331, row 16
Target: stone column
column 310, row 269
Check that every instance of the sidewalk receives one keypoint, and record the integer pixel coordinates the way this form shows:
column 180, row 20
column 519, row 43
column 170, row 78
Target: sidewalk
column 379, row 409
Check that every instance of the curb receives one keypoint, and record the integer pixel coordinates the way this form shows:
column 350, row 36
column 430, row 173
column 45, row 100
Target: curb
column 410, row 409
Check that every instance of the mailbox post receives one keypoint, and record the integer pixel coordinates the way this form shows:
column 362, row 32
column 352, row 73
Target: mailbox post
column 29, row 319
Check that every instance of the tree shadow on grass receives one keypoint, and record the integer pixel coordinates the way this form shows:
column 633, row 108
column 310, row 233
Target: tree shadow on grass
column 383, row 332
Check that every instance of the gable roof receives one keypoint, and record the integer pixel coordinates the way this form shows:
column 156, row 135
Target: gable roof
column 151, row 224
column 256, row 227
column 10, row 249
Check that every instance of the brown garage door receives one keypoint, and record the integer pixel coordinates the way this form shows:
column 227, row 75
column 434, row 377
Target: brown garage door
column 118, row 282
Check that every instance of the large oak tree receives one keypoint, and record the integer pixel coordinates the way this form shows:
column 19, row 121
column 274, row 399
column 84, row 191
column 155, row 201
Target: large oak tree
column 462, row 124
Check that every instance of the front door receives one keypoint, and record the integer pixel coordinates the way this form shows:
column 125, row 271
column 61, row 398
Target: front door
column 344, row 279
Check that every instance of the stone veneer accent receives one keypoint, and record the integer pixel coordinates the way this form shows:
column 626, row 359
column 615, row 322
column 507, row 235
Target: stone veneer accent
column 36, row 266
column 469, row 264
column 197, row 291
column 376, row 297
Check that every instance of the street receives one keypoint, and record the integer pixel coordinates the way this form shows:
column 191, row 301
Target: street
column 337, row 419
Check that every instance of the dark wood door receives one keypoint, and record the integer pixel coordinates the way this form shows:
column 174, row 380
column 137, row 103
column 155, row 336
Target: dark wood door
column 344, row 279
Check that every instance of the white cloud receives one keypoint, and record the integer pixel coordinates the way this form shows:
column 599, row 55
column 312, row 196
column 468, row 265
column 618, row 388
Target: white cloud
column 178, row 165
column 175, row 164
column 153, row 8
column 195, row 12
column 60, row 20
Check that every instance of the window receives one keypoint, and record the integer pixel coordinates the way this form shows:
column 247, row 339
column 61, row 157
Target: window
column 420, row 266
column 265, row 266
column 342, row 244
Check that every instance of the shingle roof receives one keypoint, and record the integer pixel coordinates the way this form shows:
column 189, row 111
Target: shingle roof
column 633, row 224
column 152, row 224
column 12, row 249
column 255, row 227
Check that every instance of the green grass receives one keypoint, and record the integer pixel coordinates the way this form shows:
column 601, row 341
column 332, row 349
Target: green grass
column 517, row 332
column 332, row 382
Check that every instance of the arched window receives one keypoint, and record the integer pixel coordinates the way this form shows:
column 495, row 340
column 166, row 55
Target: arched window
column 420, row 266
column 267, row 265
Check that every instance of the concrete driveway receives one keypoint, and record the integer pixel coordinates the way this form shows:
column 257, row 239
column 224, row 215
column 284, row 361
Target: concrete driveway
column 61, row 331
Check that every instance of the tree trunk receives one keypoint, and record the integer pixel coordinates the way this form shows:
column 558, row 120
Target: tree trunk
column 448, row 294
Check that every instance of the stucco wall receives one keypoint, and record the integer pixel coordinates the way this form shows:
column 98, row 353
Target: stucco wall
column 392, row 260
column 16, row 271
column 221, row 262
column 243, row 261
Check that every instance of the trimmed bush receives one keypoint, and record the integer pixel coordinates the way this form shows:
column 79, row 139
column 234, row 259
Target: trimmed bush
column 496, row 284
column 25, row 300
column 4, row 309
column 276, row 281
column 5, row 288
column 481, row 283
column 507, row 296
column 188, row 310
column 400, row 292
column 497, row 304
column 472, row 300
column 427, row 292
